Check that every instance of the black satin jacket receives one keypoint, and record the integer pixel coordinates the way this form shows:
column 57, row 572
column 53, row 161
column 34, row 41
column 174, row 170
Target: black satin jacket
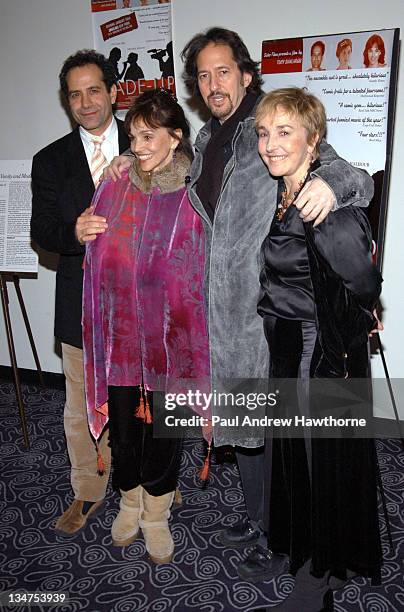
column 346, row 286
column 343, row 282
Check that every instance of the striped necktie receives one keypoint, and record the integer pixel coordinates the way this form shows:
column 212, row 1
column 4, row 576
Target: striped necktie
column 98, row 160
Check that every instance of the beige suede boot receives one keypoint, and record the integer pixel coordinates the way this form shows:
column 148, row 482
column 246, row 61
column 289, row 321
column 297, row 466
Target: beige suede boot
column 153, row 520
column 125, row 527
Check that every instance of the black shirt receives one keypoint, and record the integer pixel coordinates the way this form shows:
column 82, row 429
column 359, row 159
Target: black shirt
column 286, row 289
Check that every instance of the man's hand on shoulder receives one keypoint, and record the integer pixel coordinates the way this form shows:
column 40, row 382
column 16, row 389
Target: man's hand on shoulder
column 88, row 226
column 315, row 201
column 116, row 167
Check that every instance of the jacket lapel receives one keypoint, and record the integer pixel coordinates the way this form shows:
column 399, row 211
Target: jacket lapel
column 123, row 139
column 82, row 184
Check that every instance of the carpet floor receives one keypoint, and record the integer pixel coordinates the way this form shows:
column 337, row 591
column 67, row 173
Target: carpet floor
column 98, row 577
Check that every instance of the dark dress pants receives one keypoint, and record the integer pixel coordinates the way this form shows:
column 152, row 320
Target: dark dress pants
column 251, row 467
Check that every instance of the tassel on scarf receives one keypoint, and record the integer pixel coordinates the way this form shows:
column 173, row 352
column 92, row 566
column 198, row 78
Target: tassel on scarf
column 100, row 461
column 143, row 412
column 204, row 472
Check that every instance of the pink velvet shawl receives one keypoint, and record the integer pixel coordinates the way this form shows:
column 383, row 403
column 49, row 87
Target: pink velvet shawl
column 143, row 298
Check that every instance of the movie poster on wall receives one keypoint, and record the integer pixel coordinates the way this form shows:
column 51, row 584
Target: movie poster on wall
column 354, row 75
column 136, row 37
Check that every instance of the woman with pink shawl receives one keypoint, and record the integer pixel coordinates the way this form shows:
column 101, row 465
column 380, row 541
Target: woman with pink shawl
column 144, row 326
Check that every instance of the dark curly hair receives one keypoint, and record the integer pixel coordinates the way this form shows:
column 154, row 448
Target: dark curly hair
column 219, row 36
column 158, row 108
column 83, row 58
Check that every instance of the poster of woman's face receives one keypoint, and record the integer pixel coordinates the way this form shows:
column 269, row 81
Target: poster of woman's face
column 343, row 53
column 374, row 54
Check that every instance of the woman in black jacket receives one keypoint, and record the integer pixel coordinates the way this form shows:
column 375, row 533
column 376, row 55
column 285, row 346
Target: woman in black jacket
column 318, row 292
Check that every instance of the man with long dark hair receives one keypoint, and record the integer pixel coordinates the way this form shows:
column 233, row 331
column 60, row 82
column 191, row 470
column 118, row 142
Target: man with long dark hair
column 230, row 188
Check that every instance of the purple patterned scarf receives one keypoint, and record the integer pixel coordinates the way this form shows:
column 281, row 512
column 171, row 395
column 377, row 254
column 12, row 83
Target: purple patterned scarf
column 143, row 300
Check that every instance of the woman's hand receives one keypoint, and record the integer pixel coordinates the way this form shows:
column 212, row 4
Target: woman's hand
column 315, row 201
column 116, row 167
column 378, row 327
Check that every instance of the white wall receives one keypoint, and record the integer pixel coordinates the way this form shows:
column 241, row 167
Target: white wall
column 35, row 38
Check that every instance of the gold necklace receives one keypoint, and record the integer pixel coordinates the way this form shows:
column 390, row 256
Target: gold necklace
column 287, row 200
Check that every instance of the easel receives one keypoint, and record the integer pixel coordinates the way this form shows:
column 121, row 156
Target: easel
column 6, row 277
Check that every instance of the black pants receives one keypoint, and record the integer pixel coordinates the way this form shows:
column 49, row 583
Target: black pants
column 251, row 467
column 137, row 457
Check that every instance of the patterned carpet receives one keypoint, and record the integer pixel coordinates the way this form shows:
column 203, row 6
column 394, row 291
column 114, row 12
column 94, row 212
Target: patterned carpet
column 100, row 577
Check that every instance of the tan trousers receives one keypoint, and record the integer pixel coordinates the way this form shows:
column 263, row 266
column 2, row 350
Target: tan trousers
column 86, row 482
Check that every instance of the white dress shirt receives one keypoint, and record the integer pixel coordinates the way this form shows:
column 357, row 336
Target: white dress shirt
column 110, row 146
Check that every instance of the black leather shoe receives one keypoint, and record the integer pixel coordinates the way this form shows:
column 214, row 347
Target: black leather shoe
column 239, row 535
column 262, row 564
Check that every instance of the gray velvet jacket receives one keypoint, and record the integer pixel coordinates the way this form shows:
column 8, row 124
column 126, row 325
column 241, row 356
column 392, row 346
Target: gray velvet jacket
column 244, row 211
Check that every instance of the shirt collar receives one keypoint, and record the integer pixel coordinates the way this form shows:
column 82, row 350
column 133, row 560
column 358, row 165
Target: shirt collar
column 109, row 133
